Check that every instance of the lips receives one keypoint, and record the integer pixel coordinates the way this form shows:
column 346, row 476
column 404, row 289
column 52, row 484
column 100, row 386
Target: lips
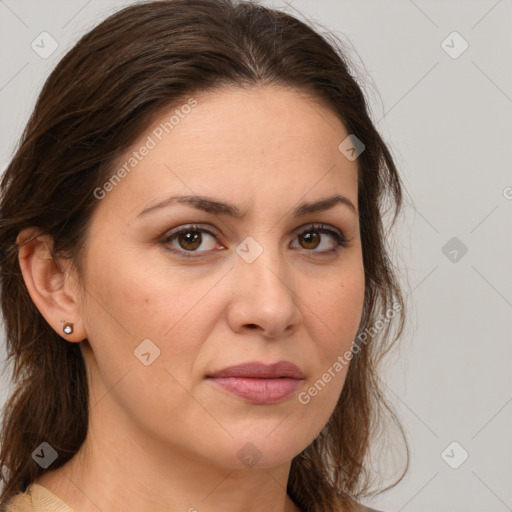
column 255, row 370
column 260, row 383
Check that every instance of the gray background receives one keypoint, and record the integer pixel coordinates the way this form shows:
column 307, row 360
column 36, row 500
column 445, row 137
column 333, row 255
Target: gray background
column 448, row 121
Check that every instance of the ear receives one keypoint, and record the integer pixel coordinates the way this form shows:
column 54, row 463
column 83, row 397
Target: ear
column 51, row 285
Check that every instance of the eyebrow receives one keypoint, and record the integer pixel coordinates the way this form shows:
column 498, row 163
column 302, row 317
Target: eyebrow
column 217, row 207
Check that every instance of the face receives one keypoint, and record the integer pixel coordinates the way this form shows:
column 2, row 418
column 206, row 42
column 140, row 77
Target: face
column 261, row 280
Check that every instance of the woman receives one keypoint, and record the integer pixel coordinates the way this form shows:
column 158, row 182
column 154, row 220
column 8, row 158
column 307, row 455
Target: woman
column 196, row 287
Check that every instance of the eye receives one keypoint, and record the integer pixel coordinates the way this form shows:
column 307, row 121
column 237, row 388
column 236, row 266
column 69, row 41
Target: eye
column 186, row 240
column 189, row 238
column 311, row 238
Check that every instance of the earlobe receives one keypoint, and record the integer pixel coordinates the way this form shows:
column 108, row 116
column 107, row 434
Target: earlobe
column 50, row 284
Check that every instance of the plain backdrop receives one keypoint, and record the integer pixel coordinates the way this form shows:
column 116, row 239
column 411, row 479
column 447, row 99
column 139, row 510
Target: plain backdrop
column 438, row 77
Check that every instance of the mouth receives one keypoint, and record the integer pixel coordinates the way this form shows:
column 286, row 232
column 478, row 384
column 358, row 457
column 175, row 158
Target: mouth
column 260, row 383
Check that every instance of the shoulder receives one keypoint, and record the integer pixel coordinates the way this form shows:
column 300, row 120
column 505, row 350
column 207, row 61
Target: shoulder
column 21, row 502
column 36, row 498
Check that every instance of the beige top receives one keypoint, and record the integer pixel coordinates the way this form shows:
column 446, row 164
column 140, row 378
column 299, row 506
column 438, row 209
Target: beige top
column 37, row 498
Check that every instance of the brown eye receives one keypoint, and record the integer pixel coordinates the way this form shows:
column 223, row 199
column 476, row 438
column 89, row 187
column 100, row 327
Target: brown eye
column 310, row 239
column 189, row 240
column 313, row 238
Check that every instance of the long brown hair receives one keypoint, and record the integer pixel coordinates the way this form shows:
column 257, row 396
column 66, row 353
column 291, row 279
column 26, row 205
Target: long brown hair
column 98, row 100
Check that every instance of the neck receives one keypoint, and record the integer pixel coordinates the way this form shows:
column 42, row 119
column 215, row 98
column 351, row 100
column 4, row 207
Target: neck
column 118, row 468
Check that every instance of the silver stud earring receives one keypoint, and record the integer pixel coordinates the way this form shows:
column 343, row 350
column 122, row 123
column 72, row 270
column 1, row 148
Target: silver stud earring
column 68, row 328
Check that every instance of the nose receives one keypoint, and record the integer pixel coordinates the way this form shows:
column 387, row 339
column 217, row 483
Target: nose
column 263, row 297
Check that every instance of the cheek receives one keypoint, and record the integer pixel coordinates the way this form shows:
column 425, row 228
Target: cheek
column 339, row 305
column 145, row 300
column 129, row 303
column 334, row 319
column 132, row 300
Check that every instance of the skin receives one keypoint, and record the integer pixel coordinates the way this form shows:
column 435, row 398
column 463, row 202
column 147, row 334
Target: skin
column 162, row 437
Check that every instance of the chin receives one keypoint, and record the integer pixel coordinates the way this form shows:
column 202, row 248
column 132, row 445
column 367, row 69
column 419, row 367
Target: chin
column 256, row 450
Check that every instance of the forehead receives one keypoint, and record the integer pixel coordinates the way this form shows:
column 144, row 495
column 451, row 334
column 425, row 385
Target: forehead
column 271, row 142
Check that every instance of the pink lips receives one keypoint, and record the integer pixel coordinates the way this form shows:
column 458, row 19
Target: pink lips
column 260, row 383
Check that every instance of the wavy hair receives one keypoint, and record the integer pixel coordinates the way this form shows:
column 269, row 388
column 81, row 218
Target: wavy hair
column 98, row 100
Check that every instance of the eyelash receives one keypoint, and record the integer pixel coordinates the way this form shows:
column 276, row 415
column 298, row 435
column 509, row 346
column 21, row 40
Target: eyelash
column 338, row 236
